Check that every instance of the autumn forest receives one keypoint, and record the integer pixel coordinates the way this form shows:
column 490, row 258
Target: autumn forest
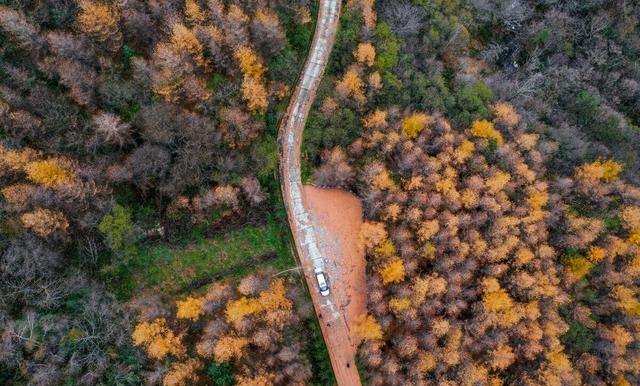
column 494, row 146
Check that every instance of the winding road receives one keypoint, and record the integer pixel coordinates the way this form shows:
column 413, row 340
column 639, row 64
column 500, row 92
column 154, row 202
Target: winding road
column 309, row 250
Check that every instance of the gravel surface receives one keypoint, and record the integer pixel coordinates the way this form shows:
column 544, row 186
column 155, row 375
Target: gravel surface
column 333, row 321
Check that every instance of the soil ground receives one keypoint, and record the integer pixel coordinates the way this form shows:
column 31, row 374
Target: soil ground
column 337, row 217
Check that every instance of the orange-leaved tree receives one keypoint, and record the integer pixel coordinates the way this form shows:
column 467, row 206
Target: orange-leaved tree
column 185, row 39
column 182, row 374
column 505, row 114
column 351, row 86
column 229, row 347
column 365, row 53
column 101, row 22
column 44, row 222
column 253, row 89
column 193, row 11
column 375, row 120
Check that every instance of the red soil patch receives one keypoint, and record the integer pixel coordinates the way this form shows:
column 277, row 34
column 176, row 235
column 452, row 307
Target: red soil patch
column 337, row 216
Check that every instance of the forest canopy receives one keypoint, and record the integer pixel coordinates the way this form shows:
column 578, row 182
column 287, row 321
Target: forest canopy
column 481, row 270
column 494, row 146
column 497, row 250
column 124, row 125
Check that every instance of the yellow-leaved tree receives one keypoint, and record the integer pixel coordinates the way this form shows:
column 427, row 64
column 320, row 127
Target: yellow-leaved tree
column 385, row 249
column 236, row 310
column 612, row 170
column 485, row 129
column 415, row 123
column 48, row 172
column 158, row 339
column 367, row 328
column 250, row 63
column 464, row 151
column 255, row 94
column 495, row 298
column 398, row 305
column 190, row 308
column 596, row 254
column 393, row 271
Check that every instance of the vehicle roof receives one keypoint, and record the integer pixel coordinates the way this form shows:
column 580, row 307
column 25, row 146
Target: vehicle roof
column 321, row 278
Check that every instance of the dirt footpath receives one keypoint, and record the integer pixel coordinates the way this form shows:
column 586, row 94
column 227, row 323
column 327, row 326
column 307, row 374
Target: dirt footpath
column 337, row 217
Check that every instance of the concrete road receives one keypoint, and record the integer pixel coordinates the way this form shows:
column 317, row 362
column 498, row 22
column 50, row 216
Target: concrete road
column 309, row 250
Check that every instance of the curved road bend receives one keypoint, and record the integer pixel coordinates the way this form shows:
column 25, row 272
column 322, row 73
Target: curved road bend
column 332, row 321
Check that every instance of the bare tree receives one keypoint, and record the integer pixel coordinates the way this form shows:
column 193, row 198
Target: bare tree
column 19, row 28
column 335, row 170
column 252, row 190
column 148, row 164
column 110, row 129
column 404, row 18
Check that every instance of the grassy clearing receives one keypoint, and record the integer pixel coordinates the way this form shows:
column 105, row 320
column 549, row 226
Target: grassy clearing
column 170, row 269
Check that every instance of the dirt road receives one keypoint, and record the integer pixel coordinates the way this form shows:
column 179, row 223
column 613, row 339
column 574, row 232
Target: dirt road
column 332, row 319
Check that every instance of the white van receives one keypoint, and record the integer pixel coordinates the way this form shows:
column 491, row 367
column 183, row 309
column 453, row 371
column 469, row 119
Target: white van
column 322, row 282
